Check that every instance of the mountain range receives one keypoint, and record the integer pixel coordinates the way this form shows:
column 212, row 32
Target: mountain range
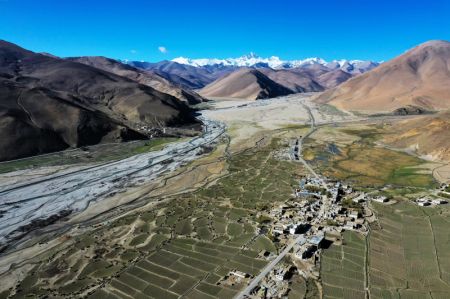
column 274, row 62
column 48, row 103
column 311, row 78
column 183, row 75
column 218, row 77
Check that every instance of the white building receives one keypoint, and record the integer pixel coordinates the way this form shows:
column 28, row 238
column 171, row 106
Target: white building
column 316, row 240
column 380, row 199
column 359, row 197
column 238, row 273
column 438, row 201
column 279, row 274
column 353, row 214
column 348, row 226
column 278, row 230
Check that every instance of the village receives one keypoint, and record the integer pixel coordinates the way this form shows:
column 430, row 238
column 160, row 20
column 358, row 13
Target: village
column 315, row 216
column 318, row 212
column 304, row 215
column 303, row 220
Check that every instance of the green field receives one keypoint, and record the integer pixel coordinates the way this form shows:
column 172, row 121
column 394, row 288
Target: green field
column 365, row 164
column 88, row 154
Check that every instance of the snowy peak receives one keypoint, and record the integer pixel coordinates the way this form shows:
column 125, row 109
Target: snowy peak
column 274, row 62
column 248, row 60
column 305, row 62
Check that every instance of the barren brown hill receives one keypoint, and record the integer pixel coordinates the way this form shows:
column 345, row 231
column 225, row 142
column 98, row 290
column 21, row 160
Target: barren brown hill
column 144, row 77
column 420, row 77
column 296, row 81
column 428, row 135
column 308, row 79
column 49, row 104
column 333, row 78
column 185, row 76
column 245, row 84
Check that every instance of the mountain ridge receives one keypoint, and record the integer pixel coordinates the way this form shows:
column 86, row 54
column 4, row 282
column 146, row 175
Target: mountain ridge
column 274, row 62
column 419, row 77
column 147, row 78
column 49, row 104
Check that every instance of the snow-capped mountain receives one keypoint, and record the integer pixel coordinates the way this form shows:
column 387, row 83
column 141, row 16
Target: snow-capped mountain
column 243, row 61
column 274, row 62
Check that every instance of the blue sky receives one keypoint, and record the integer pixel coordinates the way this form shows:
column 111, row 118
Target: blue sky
column 295, row 29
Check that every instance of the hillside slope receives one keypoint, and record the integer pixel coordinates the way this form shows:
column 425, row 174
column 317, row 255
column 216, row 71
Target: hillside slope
column 333, row 78
column 245, row 84
column 296, row 81
column 148, row 78
column 419, row 77
column 182, row 75
column 49, row 104
column 428, row 136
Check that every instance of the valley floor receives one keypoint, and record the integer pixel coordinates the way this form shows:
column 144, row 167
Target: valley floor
column 179, row 229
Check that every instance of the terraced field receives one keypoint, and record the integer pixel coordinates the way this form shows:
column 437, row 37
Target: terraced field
column 183, row 246
column 303, row 288
column 408, row 256
column 410, row 252
column 342, row 268
column 186, row 267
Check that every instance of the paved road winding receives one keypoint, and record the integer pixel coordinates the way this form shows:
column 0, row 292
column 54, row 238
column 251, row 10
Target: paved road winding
column 246, row 292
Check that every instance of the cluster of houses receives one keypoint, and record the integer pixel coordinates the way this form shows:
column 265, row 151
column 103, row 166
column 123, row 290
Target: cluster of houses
column 440, row 196
column 276, row 283
column 338, row 216
column 307, row 253
column 348, row 219
column 429, row 201
column 307, row 215
column 361, row 197
column 308, row 248
column 151, row 131
column 315, row 211
column 320, row 210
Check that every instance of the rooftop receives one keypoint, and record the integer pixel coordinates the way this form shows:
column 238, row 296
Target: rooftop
column 315, row 240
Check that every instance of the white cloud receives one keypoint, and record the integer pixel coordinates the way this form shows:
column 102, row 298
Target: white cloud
column 162, row 49
column 133, row 51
